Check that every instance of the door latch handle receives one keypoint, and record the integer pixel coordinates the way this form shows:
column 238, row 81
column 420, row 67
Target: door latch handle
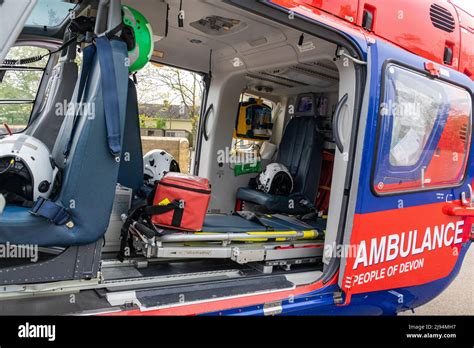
column 466, row 209
column 465, row 201
column 335, row 123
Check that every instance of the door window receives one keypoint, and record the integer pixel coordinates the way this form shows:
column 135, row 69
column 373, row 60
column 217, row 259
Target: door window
column 424, row 133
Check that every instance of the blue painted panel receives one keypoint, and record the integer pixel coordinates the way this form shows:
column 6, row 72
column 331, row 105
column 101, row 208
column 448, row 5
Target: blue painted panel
column 367, row 201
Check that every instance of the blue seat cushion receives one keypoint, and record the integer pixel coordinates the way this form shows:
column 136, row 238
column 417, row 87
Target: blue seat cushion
column 18, row 226
column 16, row 215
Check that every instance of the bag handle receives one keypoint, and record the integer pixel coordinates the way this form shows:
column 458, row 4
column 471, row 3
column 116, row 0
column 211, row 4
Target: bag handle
column 177, row 206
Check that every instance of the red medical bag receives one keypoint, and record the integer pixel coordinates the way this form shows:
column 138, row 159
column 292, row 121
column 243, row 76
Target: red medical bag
column 180, row 202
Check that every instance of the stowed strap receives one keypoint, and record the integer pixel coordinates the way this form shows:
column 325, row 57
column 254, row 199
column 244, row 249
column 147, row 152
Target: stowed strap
column 52, row 211
column 133, row 216
column 103, row 49
column 110, row 94
column 87, row 62
column 176, row 206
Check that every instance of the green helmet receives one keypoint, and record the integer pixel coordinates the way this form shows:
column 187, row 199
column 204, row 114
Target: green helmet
column 140, row 53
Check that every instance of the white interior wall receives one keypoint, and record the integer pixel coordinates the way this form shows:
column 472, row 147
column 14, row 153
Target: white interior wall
column 279, row 121
column 224, row 95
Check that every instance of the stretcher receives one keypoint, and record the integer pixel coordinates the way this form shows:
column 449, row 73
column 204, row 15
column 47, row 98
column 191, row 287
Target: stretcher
column 270, row 240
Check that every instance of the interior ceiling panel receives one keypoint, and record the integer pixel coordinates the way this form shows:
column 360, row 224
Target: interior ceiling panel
column 231, row 33
column 322, row 74
column 248, row 30
column 250, row 34
column 147, row 8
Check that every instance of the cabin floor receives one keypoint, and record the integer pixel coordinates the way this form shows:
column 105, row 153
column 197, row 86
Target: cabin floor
column 149, row 284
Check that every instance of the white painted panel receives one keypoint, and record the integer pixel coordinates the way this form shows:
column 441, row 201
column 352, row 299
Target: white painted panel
column 13, row 15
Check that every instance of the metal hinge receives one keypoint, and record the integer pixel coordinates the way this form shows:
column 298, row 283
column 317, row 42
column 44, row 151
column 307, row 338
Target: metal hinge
column 400, row 297
column 342, row 53
column 337, row 296
column 272, row 308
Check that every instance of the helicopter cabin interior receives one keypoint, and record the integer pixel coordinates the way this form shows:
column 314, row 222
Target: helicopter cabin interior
column 271, row 95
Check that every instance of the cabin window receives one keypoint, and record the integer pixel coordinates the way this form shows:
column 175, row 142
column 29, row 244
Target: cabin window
column 19, row 86
column 50, row 13
column 424, row 133
column 169, row 104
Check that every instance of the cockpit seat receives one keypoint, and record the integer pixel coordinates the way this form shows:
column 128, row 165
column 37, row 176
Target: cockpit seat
column 47, row 123
column 301, row 151
column 89, row 173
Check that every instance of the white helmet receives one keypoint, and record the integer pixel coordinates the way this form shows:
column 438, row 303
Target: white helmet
column 156, row 164
column 27, row 171
column 276, row 180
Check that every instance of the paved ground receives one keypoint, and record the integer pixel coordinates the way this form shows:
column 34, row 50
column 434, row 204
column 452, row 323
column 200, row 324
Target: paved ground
column 458, row 299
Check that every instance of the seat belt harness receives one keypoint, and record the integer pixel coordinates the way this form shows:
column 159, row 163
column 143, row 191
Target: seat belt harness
column 110, row 94
column 53, row 212
column 103, row 49
column 88, row 59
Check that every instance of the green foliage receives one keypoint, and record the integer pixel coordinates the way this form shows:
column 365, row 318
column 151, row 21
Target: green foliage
column 15, row 115
column 160, row 123
column 19, row 85
column 171, row 86
column 152, row 122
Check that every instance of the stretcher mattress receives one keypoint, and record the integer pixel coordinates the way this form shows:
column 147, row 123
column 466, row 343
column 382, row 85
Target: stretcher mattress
column 221, row 223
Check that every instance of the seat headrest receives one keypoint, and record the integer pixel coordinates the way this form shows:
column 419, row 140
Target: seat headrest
column 308, row 104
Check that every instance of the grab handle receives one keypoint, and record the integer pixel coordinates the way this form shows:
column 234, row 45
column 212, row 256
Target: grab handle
column 335, row 122
column 466, row 209
column 464, row 200
column 206, row 117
